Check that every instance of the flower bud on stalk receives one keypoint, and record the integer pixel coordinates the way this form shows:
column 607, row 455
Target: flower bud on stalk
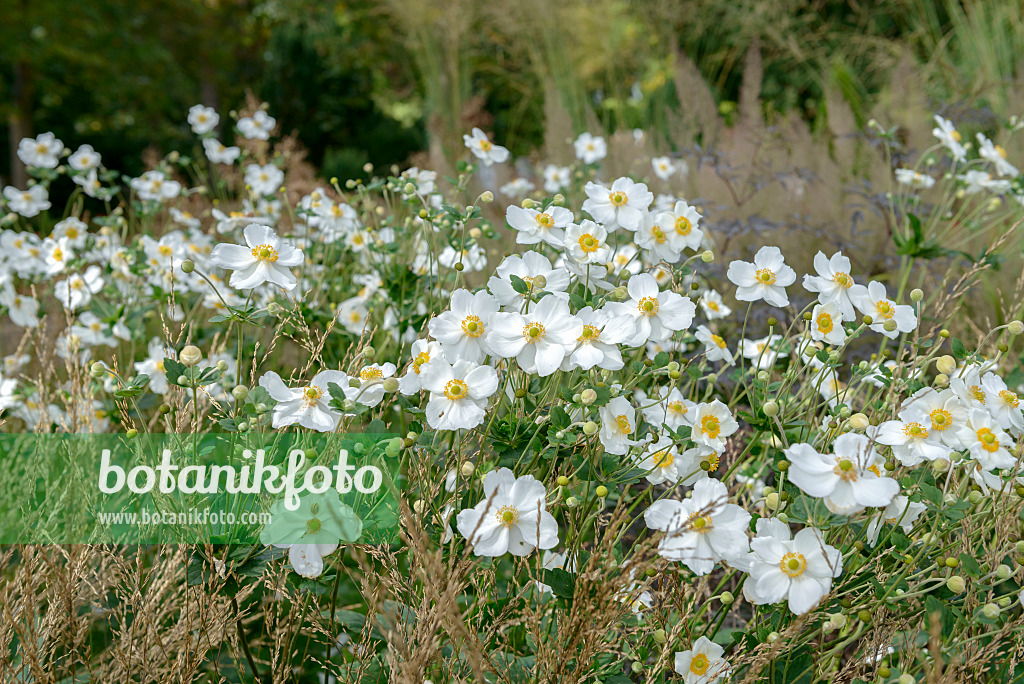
column 191, row 355
column 97, row 370
column 945, row 364
column 858, row 421
column 1015, row 328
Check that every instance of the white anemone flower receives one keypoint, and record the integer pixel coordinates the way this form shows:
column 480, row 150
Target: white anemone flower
column 834, row 283
column 527, row 266
column 657, row 313
column 458, row 393
column 671, row 409
column 849, row 479
column 533, row 226
column 712, row 424
column 463, row 329
column 827, row 324
column 910, row 439
column 945, row 413
column 618, row 422
column 950, row 138
column 587, row 243
column 590, row 148
column 202, row 119
column 258, row 126
column 307, row 406
column 483, row 149
column 621, row 206
column 766, row 278
column 702, row 663
column 422, row 353
column 986, row 441
column 876, row 303
column 1003, row 404
column 902, row 511
column 713, row 307
column 797, row 569
column 76, row 290
column 598, row 343
column 84, row 159
column 997, row 155
column 663, row 167
column 42, row 152
column 701, row 530
column 511, row 518
column 540, row 339
column 680, row 226
column 265, row 258
column 27, row 203
column 715, row 347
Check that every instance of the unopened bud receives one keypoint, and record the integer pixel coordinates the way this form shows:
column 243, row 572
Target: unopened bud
column 726, row 598
column 858, row 421
column 590, row 428
column 707, row 256
column 772, row 501
column 562, row 481
column 540, row 282
column 132, row 433
column 916, row 295
column 390, row 384
column 889, row 325
column 486, row 197
column 990, row 610
column 274, row 309
column 941, row 380
column 222, row 366
column 588, row 396
column 97, row 370
column 956, row 584
column 559, row 200
column 1003, row 572
column 659, row 636
column 771, row 409
column 946, row 364
column 1015, row 328
column 572, row 502
column 528, row 203
column 187, row 266
column 240, row 392
column 601, row 491
column 190, row 355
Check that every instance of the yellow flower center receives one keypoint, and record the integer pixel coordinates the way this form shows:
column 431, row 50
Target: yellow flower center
column 264, row 253
column 793, row 564
column 648, row 306
column 978, row 394
column 421, row 358
column 843, row 280
column 623, row 422
column 1009, row 398
column 164, row 250
column 677, row 407
column 683, row 225
column 456, row 389
column 955, row 135
column 71, row 233
column 533, row 332
column 370, row 373
column 718, row 340
column 313, row 525
column 885, row 309
column 659, row 235
column 1000, row 151
column 472, row 326
column 589, row 243
column 824, row 323
column 508, row 516
column 42, row 149
column 160, row 366
column 311, row 395
column 710, row 426
column 486, row 145
column 915, row 430
column 713, row 461
column 545, row 220
column 699, row 664
column 765, row 276
column 941, row 419
column 989, row 442
column 58, row 254
column 713, row 305
column 590, row 334
column 701, row 524
column 618, row 198
column 664, row 459
column 845, row 470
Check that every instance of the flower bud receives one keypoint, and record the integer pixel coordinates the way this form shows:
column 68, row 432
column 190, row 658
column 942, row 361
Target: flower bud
column 486, row 197
column 562, row 481
column 528, row 203
column 858, row 421
column 132, row 433
column 572, row 502
column 1004, row 601
column 864, row 615
column 916, row 295
column 764, row 376
column 771, row 409
column 659, row 636
column 190, row 355
column 773, row 637
column 772, row 501
column 1003, row 572
column 187, row 266
column 240, row 392
column 601, row 491
column 274, row 309
column 183, row 380
column 990, row 610
column 222, row 366
column 974, row 497
column 390, row 384
column 889, row 325
column 906, row 678
column 707, row 257
column 164, row 409
column 97, row 370
column 620, row 294
column 588, row 397
column 726, row 598
column 590, row 428
column 540, row 282
column 369, row 353
column 1020, row 547
column 1015, row 328
column 941, row 380
column 956, row 584
column 946, row 364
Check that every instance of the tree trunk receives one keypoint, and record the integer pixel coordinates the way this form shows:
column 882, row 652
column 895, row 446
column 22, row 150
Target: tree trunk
column 19, row 121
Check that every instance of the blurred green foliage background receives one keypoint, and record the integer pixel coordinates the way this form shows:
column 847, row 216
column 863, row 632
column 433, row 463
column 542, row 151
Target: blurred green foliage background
column 379, row 80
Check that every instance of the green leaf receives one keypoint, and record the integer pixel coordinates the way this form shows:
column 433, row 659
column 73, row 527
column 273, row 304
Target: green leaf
column 562, row 583
column 518, row 284
column 959, row 351
column 933, row 494
column 970, row 565
column 174, row 369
